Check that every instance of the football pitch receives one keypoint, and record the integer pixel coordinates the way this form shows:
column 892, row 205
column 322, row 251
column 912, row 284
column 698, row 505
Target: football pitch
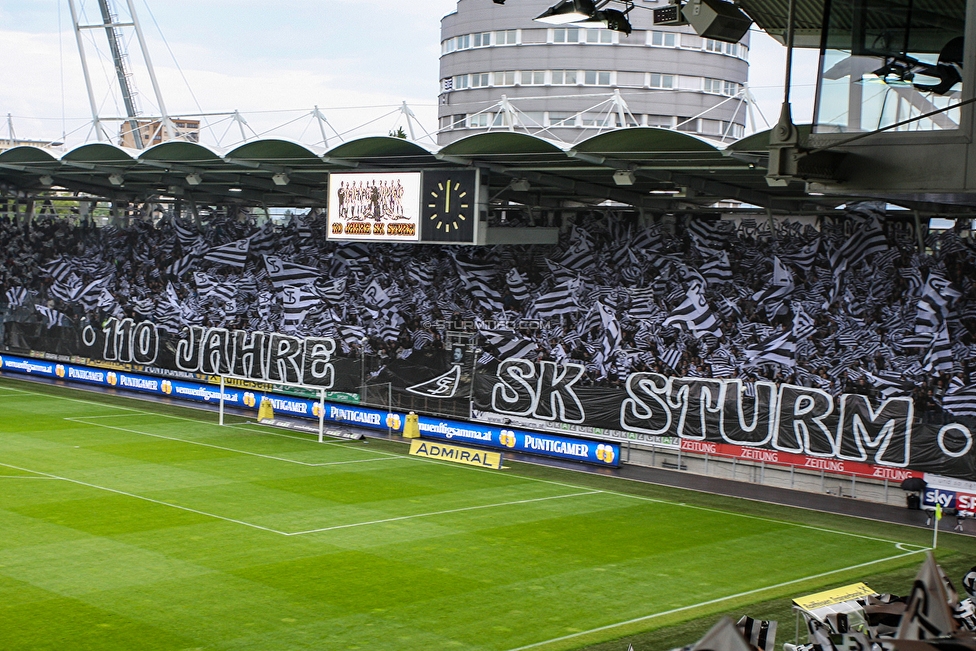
column 129, row 525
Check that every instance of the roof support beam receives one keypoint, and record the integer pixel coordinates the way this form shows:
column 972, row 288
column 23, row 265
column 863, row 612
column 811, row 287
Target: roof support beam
column 706, row 186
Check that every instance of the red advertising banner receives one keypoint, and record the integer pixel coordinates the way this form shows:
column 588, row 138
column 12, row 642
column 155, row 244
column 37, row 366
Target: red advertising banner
column 778, row 458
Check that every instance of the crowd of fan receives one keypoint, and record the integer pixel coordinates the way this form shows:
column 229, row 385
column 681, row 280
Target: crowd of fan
column 61, row 272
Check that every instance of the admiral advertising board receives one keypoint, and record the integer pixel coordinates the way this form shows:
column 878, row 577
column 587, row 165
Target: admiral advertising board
column 516, row 440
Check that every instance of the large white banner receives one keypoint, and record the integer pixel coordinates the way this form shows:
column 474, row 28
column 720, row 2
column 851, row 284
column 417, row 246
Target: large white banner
column 376, row 207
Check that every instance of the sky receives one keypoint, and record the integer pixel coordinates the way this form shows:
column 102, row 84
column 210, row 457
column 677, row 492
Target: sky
column 357, row 60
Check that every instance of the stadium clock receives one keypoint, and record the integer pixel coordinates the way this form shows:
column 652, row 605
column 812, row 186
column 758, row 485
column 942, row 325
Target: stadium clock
column 449, row 206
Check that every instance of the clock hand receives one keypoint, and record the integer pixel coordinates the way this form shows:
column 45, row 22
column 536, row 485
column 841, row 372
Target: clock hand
column 447, row 198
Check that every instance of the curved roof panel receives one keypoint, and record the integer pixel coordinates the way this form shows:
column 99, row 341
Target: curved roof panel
column 26, row 154
column 98, row 152
column 377, row 146
column 500, row 142
column 643, row 140
column 179, row 151
column 274, row 150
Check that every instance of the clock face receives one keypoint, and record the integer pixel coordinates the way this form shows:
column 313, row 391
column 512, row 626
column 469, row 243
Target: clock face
column 448, row 207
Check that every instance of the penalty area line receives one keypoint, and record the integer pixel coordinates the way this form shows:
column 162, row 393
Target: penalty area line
column 710, row 602
column 84, row 421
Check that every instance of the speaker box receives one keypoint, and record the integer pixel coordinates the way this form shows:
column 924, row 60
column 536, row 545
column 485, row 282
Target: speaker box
column 717, row 19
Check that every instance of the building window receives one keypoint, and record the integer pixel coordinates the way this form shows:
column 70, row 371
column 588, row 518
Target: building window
column 601, row 120
column 720, row 87
column 596, row 78
column 505, row 78
column 601, row 36
column 566, row 35
column 712, row 86
column 463, row 42
column 506, row 37
column 743, row 52
column 661, row 81
column 663, row 39
column 688, row 124
column 478, row 121
column 482, row 39
column 460, row 82
column 711, row 45
column 448, row 46
column 459, row 121
column 564, row 77
column 533, row 77
column 662, row 121
column 562, row 119
column 446, row 122
column 532, row 119
column 479, row 80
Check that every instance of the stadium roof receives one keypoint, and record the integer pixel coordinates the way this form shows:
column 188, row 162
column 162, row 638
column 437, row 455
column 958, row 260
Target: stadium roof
column 664, row 166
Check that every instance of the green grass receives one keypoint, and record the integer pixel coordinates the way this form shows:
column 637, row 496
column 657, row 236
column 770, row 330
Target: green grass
column 129, row 525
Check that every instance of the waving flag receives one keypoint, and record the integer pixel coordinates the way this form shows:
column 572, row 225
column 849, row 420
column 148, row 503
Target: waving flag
column 232, row 255
column 286, row 274
column 695, row 315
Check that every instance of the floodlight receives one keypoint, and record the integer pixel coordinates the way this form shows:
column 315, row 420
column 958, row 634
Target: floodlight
column 520, row 185
column 610, row 19
column 281, row 179
column 624, row 177
column 567, row 11
column 193, row 179
column 116, row 179
column 47, row 180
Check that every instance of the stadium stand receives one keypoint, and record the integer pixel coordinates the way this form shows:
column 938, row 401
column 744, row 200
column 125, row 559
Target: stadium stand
column 866, row 313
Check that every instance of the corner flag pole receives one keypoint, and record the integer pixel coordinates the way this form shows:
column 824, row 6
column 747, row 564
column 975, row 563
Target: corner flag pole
column 935, row 530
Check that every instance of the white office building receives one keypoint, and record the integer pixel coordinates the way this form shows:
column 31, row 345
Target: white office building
column 502, row 70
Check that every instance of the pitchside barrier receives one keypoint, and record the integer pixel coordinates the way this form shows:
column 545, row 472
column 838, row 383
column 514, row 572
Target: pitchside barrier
column 756, row 465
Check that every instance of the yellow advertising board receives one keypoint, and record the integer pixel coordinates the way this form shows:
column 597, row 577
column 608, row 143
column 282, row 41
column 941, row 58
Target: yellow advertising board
column 469, row 456
column 832, row 597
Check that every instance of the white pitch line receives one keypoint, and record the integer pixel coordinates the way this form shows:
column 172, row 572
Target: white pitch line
column 700, row 604
column 19, row 477
column 82, row 420
column 145, row 499
column 427, row 515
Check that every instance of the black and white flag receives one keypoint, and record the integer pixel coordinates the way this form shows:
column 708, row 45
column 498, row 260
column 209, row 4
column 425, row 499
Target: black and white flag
column 287, row 274
column 232, row 255
column 695, row 315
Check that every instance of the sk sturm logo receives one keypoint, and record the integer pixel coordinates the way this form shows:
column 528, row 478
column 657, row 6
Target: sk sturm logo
column 316, row 410
column 167, row 387
column 507, row 438
column 604, row 453
column 393, row 421
column 249, row 400
column 59, row 370
column 112, row 378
